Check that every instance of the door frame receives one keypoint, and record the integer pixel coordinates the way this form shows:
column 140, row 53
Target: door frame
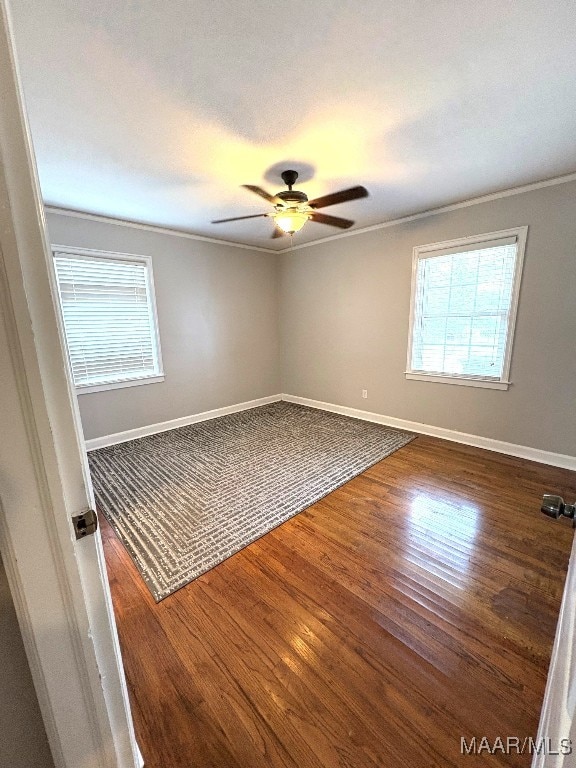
column 557, row 722
column 59, row 585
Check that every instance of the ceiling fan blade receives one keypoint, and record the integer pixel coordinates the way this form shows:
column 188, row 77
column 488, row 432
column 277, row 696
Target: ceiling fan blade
column 333, row 221
column 277, row 233
column 239, row 218
column 354, row 193
column 259, row 191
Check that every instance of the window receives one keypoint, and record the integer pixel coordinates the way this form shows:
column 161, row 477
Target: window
column 109, row 318
column 464, row 298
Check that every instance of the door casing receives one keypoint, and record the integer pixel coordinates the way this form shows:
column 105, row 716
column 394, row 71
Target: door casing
column 59, row 586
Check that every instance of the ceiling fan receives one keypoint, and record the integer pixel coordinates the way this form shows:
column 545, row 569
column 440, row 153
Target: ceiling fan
column 292, row 209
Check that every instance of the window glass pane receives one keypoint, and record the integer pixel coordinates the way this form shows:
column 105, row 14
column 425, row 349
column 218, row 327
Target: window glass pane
column 488, row 297
column 433, row 330
column 438, row 272
column 456, row 359
column 436, row 301
column 458, row 330
column 491, row 267
column 462, row 298
column 432, row 357
column 485, row 330
column 464, row 268
column 485, row 361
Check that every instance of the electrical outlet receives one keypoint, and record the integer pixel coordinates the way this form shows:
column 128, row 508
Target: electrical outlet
column 365, row 394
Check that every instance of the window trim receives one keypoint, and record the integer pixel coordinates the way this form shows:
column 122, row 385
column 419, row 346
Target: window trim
column 92, row 253
column 422, row 251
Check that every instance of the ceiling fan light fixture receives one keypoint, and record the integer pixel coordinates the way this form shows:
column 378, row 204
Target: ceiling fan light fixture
column 291, row 221
column 292, row 209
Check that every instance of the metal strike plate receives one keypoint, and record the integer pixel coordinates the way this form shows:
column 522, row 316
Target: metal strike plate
column 85, row 524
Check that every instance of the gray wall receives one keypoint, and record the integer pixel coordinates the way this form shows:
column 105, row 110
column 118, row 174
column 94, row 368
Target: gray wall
column 217, row 313
column 338, row 311
column 23, row 742
column 344, row 316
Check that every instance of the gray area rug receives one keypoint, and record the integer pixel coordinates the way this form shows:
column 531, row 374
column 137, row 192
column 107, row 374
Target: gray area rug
column 183, row 501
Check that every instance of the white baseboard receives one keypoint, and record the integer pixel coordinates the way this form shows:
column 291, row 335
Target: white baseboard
column 164, row 426
column 499, row 446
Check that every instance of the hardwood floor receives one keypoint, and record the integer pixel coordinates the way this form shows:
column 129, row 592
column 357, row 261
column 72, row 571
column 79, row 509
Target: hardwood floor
column 413, row 606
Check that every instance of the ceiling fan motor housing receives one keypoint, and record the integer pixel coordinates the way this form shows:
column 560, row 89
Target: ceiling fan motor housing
column 292, row 196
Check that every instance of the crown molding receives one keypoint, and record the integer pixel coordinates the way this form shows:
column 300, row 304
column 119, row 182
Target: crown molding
column 350, row 233
column 443, row 209
column 52, row 209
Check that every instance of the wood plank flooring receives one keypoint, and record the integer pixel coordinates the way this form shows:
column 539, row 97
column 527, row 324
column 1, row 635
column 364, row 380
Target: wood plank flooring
column 413, row 606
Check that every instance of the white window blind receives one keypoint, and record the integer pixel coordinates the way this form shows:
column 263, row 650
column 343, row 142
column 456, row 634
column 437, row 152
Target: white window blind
column 462, row 309
column 109, row 318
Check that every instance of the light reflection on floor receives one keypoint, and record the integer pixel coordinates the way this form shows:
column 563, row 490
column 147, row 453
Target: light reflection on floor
column 441, row 535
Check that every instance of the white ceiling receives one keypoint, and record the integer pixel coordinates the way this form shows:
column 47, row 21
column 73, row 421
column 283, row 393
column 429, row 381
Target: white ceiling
column 158, row 111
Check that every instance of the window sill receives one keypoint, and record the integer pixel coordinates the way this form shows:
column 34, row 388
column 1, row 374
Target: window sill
column 86, row 390
column 463, row 381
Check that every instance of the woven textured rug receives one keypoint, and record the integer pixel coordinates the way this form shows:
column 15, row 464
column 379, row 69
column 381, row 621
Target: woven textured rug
column 183, row 501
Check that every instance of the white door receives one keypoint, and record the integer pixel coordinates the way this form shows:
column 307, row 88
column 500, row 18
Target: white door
column 555, row 745
column 59, row 585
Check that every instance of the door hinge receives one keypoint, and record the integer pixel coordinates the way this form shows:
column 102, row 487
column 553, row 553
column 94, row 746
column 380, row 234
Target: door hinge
column 85, row 523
